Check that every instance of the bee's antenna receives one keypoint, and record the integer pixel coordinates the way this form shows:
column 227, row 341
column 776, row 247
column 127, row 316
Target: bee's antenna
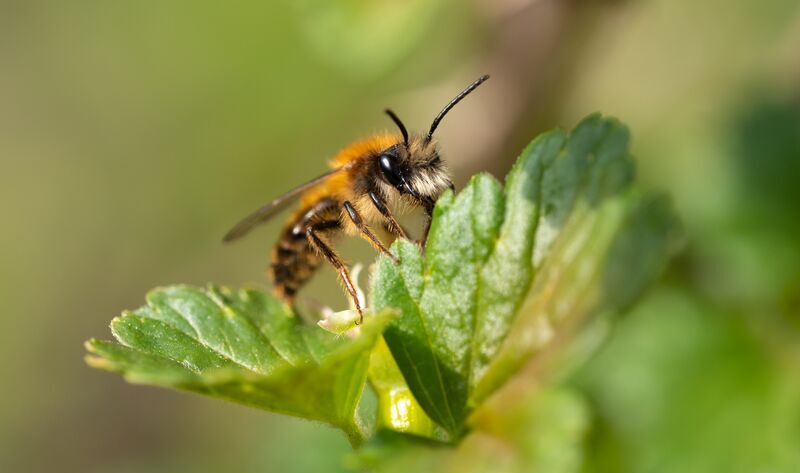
column 453, row 103
column 399, row 124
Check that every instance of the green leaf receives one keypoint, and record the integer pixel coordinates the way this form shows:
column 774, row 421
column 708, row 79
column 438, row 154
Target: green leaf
column 245, row 347
column 506, row 272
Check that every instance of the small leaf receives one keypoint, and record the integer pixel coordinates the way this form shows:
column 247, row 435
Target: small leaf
column 340, row 323
column 504, row 272
column 245, row 347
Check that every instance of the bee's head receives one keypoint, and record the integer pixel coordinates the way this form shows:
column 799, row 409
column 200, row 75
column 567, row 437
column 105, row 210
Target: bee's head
column 413, row 167
column 415, row 170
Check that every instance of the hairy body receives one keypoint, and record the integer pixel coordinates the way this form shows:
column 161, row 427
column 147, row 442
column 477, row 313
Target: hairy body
column 350, row 201
column 368, row 179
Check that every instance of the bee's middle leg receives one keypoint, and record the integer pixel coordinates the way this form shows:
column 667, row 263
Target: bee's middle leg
column 392, row 224
column 366, row 233
column 312, row 234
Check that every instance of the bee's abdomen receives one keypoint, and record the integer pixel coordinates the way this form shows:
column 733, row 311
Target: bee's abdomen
column 293, row 264
column 294, row 261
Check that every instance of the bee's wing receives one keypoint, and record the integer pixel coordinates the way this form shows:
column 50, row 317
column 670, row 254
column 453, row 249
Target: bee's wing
column 270, row 209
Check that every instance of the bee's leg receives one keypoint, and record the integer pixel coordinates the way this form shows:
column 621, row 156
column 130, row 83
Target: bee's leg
column 392, row 224
column 323, row 249
column 366, row 233
column 430, row 204
column 425, row 232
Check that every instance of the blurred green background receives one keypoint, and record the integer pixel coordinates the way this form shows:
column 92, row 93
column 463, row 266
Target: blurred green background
column 132, row 134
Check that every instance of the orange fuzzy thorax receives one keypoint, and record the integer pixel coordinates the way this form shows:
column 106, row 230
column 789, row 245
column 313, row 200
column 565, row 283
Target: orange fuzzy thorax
column 339, row 185
column 367, row 146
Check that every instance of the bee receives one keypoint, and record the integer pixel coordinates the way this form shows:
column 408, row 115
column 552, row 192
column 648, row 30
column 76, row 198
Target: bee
column 367, row 179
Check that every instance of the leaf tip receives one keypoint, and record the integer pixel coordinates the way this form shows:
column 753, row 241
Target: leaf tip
column 97, row 362
column 91, row 345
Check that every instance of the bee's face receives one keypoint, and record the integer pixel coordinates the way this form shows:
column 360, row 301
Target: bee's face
column 412, row 167
column 415, row 170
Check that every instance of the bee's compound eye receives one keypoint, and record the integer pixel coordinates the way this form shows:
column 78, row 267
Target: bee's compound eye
column 390, row 170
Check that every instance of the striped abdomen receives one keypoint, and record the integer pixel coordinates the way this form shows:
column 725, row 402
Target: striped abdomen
column 294, row 261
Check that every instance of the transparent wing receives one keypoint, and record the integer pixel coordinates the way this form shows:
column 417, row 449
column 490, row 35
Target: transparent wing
column 270, row 209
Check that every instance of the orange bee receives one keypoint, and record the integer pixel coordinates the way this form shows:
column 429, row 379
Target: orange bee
column 367, row 179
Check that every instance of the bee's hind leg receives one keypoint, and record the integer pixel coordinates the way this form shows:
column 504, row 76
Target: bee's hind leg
column 312, row 234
